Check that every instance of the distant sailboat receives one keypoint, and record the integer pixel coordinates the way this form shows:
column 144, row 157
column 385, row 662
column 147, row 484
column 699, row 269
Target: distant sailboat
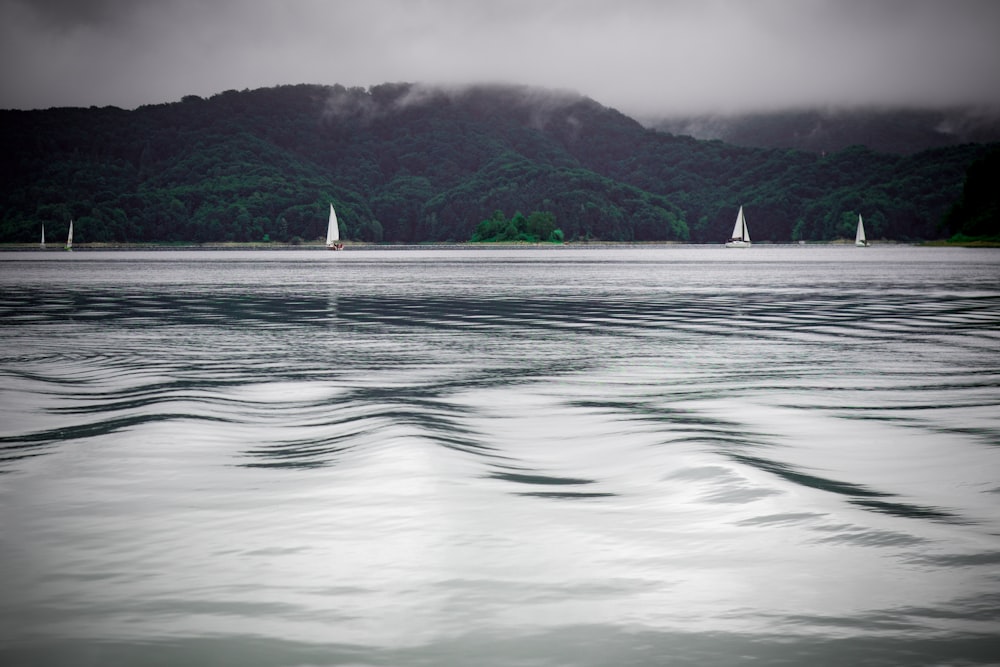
column 741, row 235
column 859, row 239
column 42, row 244
column 333, row 232
column 69, row 237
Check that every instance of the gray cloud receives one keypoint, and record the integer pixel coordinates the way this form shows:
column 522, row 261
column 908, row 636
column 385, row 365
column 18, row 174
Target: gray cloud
column 641, row 56
column 67, row 14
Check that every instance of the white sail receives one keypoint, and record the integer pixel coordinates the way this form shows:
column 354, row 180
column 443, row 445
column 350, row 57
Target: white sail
column 43, row 236
column 332, row 230
column 741, row 233
column 859, row 239
column 69, row 237
column 738, row 228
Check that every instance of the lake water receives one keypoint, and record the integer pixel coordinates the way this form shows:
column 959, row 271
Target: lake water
column 497, row 457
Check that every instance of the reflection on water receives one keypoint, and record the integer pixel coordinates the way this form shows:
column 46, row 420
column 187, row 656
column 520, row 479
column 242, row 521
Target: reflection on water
column 638, row 456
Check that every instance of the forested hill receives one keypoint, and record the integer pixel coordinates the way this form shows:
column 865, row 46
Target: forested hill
column 409, row 163
column 887, row 130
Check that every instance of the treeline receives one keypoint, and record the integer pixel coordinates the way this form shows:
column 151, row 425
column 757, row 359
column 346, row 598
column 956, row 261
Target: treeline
column 537, row 227
column 407, row 163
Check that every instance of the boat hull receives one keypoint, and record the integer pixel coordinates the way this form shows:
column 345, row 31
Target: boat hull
column 861, row 244
column 737, row 244
column 335, row 246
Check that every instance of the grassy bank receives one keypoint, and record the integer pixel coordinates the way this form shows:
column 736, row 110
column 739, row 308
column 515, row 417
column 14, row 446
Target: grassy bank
column 965, row 242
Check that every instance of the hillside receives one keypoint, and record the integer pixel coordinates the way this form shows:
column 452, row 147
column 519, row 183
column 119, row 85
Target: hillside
column 899, row 131
column 408, row 163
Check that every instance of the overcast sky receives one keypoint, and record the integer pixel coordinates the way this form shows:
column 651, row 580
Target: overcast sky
column 639, row 56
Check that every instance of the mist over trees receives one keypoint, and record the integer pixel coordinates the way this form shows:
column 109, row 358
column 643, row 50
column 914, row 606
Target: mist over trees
column 903, row 131
column 408, row 163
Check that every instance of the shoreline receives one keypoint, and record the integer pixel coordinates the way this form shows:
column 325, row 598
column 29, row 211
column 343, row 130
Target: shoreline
column 166, row 247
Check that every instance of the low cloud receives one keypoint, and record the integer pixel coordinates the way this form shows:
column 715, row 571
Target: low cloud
column 640, row 56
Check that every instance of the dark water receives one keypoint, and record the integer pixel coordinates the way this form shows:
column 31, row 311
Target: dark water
column 655, row 456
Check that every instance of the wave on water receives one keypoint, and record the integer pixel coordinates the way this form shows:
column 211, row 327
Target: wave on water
column 794, row 470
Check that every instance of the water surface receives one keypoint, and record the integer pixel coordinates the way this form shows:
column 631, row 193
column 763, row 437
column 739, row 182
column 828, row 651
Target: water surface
column 560, row 456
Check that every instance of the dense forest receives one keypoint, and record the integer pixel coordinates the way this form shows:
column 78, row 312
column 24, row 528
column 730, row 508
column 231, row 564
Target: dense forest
column 976, row 214
column 408, row 163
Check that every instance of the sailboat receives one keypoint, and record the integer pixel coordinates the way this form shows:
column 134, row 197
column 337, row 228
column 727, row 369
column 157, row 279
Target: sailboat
column 741, row 235
column 333, row 232
column 860, row 239
column 69, row 237
column 42, row 244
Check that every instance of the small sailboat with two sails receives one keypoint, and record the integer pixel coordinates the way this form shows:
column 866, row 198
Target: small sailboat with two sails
column 741, row 235
column 333, row 232
column 859, row 239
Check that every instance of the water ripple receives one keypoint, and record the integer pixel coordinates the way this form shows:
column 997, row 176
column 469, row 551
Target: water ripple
column 400, row 460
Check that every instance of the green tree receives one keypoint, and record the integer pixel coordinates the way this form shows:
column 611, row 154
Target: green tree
column 977, row 212
column 408, row 168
